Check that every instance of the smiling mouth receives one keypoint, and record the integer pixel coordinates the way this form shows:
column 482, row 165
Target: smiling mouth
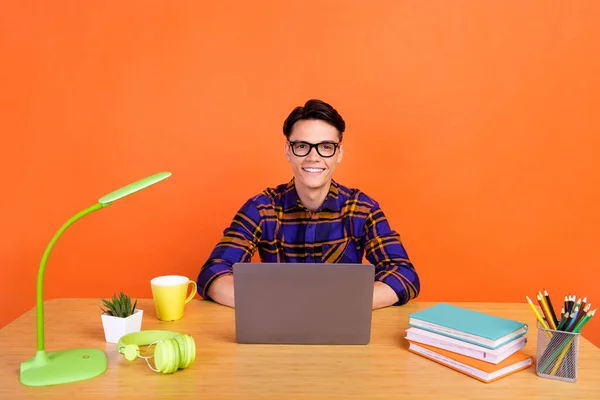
column 313, row 170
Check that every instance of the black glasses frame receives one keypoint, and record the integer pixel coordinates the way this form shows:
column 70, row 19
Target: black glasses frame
column 315, row 146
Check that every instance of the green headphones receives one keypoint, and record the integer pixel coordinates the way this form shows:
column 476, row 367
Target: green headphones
column 173, row 350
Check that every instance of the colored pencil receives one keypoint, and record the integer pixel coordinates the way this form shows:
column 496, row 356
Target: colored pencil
column 574, row 317
column 572, row 302
column 563, row 321
column 579, row 317
column 545, row 310
column 538, row 316
column 583, row 303
column 550, row 307
column 571, row 319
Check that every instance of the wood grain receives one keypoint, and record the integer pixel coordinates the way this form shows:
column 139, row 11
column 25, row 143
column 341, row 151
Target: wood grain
column 384, row 369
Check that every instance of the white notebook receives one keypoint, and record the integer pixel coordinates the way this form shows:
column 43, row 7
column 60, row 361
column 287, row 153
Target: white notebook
column 472, row 350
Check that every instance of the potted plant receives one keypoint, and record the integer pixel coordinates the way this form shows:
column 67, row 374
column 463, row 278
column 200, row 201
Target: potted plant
column 120, row 317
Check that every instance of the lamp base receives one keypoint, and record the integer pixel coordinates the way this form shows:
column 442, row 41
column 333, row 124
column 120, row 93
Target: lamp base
column 63, row 366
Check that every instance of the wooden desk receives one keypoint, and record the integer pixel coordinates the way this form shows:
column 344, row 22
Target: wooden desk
column 225, row 370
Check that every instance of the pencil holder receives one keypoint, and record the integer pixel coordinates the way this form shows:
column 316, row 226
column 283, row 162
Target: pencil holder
column 557, row 354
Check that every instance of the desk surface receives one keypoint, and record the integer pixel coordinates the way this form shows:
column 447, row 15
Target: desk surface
column 384, row 369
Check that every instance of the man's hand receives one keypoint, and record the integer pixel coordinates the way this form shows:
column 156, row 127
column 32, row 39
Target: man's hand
column 383, row 295
column 221, row 290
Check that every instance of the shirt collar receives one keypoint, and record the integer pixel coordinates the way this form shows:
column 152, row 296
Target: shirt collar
column 291, row 198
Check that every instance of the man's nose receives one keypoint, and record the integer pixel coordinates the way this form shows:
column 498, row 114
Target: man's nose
column 312, row 154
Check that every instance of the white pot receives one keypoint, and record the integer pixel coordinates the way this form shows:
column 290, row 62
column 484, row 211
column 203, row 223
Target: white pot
column 115, row 327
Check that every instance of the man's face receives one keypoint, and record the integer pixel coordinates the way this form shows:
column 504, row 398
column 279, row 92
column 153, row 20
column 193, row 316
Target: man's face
column 313, row 171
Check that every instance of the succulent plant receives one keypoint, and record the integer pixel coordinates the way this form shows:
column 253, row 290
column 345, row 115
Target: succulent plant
column 118, row 306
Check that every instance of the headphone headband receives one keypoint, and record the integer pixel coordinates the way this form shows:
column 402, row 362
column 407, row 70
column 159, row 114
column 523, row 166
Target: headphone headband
column 144, row 337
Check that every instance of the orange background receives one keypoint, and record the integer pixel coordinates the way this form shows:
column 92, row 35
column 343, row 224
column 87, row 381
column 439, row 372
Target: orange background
column 475, row 124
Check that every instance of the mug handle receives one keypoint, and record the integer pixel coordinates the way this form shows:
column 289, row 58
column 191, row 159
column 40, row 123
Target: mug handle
column 191, row 296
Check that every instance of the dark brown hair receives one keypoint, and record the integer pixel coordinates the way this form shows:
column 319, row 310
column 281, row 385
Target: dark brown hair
column 314, row 109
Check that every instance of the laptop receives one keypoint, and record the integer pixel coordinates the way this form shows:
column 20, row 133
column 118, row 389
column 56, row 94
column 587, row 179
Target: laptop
column 298, row 303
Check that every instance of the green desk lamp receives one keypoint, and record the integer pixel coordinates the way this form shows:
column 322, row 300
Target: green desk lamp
column 65, row 366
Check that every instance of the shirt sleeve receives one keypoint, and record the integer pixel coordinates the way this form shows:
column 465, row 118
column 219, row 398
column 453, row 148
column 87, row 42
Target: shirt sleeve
column 385, row 251
column 238, row 244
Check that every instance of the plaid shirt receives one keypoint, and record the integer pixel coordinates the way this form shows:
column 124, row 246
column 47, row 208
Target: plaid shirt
column 346, row 226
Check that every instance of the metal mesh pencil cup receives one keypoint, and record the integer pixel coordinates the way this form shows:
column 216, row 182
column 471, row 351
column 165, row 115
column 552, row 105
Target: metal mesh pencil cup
column 557, row 354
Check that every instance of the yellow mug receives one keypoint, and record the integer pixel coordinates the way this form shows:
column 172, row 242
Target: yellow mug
column 169, row 293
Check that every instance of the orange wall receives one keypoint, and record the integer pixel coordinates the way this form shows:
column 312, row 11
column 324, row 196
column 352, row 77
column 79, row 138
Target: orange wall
column 475, row 124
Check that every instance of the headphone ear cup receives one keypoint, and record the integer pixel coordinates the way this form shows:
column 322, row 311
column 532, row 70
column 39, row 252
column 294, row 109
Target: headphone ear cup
column 191, row 345
column 166, row 356
column 131, row 351
column 187, row 350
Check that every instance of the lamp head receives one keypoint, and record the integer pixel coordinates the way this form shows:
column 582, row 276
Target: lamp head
column 132, row 188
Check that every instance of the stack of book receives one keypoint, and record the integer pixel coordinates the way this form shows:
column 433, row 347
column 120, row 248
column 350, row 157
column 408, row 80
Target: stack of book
column 482, row 346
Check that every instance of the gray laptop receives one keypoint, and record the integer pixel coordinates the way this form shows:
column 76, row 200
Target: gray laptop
column 296, row 303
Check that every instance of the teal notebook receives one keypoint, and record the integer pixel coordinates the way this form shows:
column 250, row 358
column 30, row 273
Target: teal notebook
column 468, row 325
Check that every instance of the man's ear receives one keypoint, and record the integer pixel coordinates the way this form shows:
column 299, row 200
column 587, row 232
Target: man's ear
column 287, row 150
column 341, row 155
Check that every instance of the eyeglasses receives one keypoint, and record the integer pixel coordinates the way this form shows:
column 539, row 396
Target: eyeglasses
column 324, row 149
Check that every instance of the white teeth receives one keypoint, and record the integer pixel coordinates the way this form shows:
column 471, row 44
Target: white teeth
column 313, row 169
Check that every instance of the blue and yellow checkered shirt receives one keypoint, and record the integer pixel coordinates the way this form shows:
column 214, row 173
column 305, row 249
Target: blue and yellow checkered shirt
column 348, row 225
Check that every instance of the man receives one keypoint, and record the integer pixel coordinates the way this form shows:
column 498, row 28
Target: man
column 312, row 219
